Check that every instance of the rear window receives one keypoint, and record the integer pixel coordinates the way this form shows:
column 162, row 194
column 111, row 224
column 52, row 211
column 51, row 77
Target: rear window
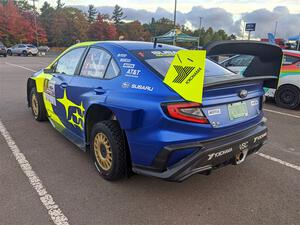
column 160, row 61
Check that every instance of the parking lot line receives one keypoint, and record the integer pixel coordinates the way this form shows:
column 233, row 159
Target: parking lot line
column 282, row 113
column 23, row 67
column 56, row 215
column 279, row 161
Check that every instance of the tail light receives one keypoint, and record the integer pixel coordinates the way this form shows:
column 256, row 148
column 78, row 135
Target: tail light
column 185, row 111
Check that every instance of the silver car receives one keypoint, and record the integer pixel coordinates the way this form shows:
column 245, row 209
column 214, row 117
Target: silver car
column 23, row 49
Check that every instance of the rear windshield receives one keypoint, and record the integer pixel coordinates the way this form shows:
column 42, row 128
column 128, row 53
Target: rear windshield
column 160, row 61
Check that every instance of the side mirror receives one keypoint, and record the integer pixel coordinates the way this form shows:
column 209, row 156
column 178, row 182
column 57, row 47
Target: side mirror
column 51, row 70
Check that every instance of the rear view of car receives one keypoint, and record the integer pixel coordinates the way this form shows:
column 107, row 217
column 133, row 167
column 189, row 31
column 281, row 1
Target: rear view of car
column 120, row 107
column 2, row 49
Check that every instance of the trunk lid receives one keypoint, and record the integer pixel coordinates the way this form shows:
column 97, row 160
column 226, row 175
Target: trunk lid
column 231, row 104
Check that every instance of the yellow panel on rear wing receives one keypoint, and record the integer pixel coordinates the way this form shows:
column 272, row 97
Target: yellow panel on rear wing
column 186, row 74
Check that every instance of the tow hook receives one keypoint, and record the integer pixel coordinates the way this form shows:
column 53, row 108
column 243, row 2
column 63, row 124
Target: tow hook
column 240, row 157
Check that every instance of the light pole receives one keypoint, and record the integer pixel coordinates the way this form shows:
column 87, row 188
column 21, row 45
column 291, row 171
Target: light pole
column 200, row 26
column 175, row 9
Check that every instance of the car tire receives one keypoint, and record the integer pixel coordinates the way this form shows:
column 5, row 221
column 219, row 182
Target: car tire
column 108, row 150
column 37, row 105
column 9, row 53
column 5, row 55
column 24, row 53
column 288, row 96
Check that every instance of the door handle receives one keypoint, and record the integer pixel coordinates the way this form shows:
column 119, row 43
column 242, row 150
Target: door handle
column 99, row 90
column 63, row 85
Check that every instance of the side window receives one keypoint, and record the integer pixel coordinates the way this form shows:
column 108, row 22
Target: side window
column 288, row 60
column 68, row 62
column 21, row 46
column 95, row 63
column 112, row 70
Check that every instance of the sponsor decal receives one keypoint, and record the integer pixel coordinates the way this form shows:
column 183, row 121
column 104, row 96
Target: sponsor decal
column 258, row 138
column 254, row 102
column 164, row 53
column 49, row 87
column 74, row 117
column 122, row 55
column 213, row 112
column 141, row 87
column 50, row 99
column 127, row 85
column 133, row 73
column 128, row 65
column 244, row 145
column 125, row 60
column 218, row 154
column 186, row 74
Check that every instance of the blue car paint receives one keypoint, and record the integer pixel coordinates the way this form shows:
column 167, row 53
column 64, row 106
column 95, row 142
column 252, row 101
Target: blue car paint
column 148, row 129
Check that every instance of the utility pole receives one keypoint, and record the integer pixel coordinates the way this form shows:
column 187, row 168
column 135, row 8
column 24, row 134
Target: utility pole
column 175, row 11
column 275, row 31
column 200, row 26
column 35, row 23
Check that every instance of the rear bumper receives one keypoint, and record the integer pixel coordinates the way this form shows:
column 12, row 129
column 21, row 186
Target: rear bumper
column 210, row 155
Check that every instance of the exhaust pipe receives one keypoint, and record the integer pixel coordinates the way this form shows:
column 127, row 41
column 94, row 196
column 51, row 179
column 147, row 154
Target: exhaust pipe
column 240, row 157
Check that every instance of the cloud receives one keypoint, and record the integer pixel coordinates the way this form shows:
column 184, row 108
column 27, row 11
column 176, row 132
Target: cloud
column 288, row 24
column 219, row 18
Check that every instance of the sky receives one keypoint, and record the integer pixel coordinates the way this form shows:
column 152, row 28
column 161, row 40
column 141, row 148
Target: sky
column 229, row 15
column 233, row 6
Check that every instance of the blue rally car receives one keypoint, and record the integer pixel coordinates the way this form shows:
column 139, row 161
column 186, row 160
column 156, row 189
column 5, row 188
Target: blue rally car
column 110, row 98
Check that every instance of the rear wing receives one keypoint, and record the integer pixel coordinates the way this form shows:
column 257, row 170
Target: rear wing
column 266, row 63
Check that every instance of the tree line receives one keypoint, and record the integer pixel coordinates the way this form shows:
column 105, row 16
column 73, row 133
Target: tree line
column 63, row 26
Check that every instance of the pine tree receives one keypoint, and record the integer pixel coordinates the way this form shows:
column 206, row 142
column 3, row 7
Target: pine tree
column 92, row 13
column 59, row 4
column 117, row 14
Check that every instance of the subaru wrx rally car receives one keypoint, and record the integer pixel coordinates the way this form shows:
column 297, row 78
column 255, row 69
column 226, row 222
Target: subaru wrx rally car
column 110, row 98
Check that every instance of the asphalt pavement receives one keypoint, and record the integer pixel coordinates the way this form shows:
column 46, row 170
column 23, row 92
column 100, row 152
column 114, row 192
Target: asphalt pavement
column 263, row 190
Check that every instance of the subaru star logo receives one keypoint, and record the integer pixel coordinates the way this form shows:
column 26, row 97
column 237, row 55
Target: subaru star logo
column 243, row 93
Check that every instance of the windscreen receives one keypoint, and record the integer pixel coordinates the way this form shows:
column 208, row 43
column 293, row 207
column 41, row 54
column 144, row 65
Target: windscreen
column 160, row 61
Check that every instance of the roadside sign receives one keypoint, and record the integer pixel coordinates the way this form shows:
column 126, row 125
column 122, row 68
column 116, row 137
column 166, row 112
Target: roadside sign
column 250, row 26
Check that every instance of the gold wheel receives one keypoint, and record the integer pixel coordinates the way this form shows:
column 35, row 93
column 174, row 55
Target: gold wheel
column 103, row 151
column 34, row 105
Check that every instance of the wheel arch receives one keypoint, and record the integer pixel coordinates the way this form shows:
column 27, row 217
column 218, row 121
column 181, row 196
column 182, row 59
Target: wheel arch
column 97, row 113
column 30, row 85
column 288, row 84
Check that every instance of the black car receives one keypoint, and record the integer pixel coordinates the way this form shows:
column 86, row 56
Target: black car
column 2, row 49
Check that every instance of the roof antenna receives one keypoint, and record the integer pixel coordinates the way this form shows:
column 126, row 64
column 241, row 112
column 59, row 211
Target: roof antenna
column 155, row 42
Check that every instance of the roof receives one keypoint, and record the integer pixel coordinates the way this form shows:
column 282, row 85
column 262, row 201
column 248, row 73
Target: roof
column 138, row 45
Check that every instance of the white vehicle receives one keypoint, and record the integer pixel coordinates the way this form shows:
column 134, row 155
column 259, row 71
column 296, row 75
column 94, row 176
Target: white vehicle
column 287, row 94
column 23, row 49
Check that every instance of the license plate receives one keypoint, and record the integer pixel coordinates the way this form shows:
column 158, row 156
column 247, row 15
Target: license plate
column 237, row 110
